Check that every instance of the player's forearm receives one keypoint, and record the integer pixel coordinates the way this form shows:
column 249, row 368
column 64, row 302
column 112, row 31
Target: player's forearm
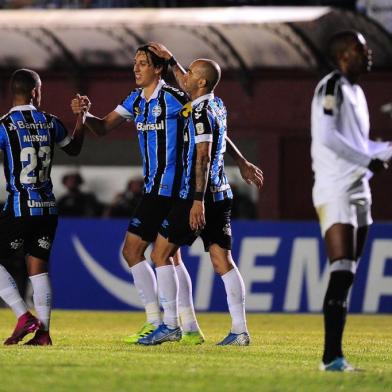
column 96, row 125
column 77, row 138
column 179, row 73
column 202, row 169
column 335, row 141
column 234, row 152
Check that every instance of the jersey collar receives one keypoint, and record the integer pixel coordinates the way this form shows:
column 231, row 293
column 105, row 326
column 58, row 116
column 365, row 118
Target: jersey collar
column 23, row 107
column 154, row 95
column 202, row 98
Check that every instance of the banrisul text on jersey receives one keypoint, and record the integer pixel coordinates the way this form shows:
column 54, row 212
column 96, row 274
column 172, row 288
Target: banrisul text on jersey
column 27, row 138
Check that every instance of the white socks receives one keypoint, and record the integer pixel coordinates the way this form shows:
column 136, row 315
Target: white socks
column 10, row 294
column 42, row 298
column 235, row 291
column 168, row 292
column 146, row 285
column 185, row 300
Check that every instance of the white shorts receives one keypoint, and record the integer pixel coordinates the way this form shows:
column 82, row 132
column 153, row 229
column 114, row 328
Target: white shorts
column 346, row 210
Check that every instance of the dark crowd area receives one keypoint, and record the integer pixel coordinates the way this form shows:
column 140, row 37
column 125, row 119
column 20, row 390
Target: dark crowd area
column 80, row 4
column 76, row 202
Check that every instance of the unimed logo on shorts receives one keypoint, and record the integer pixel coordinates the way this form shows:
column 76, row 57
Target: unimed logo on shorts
column 283, row 265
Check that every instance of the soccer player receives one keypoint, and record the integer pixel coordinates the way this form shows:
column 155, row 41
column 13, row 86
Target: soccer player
column 155, row 108
column 203, row 178
column 29, row 218
column 342, row 158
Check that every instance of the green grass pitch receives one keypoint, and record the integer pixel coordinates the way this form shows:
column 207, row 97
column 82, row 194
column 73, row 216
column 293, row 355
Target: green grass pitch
column 88, row 355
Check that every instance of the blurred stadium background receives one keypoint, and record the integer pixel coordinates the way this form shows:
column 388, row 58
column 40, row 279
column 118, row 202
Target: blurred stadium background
column 272, row 54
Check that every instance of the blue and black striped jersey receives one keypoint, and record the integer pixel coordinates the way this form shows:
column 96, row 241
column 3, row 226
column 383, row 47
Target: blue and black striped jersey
column 159, row 126
column 27, row 138
column 207, row 123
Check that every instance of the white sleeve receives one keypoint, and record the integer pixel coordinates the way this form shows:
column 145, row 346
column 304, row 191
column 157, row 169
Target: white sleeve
column 123, row 112
column 203, row 138
column 380, row 150
column 64, row 142
column 330, row 137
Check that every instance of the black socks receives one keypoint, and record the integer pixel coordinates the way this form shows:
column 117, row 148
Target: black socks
column 335, row 310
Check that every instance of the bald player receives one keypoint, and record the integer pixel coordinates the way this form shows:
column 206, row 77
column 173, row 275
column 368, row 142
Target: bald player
column 205, row 198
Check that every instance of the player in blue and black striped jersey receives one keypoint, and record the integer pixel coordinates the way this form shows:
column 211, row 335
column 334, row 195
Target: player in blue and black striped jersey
column 203, row 169
column 29, row 219
column 155, row 108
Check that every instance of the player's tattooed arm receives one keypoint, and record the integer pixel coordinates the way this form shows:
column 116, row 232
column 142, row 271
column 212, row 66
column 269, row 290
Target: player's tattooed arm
column 162, row 52
column 202, row 167
column 99, row 126
column 250, row 173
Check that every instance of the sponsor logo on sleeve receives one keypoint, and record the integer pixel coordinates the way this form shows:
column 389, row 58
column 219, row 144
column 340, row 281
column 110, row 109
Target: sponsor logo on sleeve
column 329, row 102
column 199, row 128
column 198, row 110
column 186, row 110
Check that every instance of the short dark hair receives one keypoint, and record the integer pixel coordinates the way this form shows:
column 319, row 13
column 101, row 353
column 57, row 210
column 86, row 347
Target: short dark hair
column 78, row 178
column 157, row 62
column 23, row 81
column 339, row 42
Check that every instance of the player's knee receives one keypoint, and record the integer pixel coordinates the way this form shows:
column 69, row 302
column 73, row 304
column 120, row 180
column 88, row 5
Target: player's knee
column 132, row 255
column 222, row 269
column 341, row 279
column 177, row 259
column 221, row 263
column 158, row 257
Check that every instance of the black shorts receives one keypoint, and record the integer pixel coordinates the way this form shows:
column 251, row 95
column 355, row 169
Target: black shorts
column 149, row 215
column 218, row 224
column 217, row 230
column 176, row 225
column 33, row 234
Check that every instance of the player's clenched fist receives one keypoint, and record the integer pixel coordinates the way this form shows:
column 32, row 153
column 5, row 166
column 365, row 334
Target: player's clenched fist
column 80, row 104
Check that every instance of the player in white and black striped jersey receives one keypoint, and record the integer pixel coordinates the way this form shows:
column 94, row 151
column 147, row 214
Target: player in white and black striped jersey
column 343, row 158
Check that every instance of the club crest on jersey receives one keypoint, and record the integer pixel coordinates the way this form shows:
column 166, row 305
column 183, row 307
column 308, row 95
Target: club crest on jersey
column 156, row 111
column 199, row 128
